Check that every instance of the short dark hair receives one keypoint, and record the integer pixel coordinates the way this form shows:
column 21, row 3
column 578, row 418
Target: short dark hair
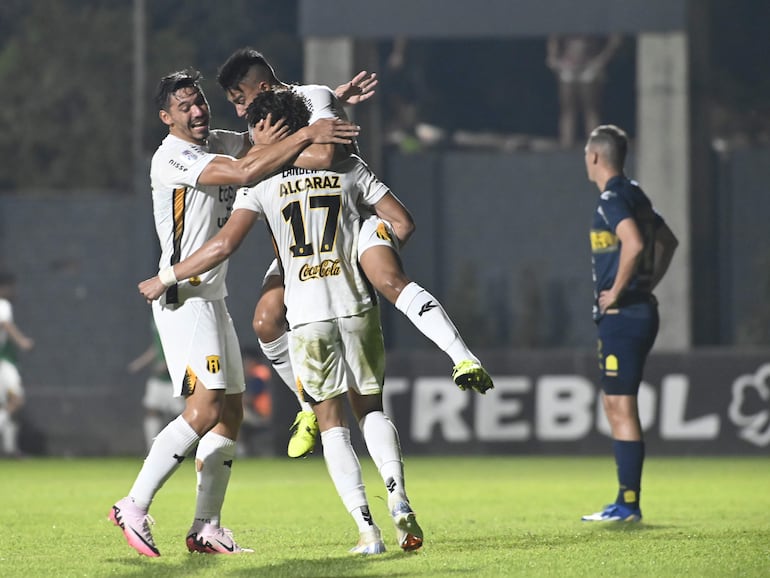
column 169, row 84
column 285, row 104
column 237, row 66
column 612, row 142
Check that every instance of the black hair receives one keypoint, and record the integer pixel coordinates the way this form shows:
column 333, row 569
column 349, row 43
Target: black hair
column 238, row 64
column 170, row 83
column 612, row 142
column 285, row 104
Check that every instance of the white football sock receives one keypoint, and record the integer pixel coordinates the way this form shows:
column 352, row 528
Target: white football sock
column 345, row 471
column 10, row 433
column 427, row 315
column 382, row 441
column 168, row 450
column 277, row 352
column 213, row 464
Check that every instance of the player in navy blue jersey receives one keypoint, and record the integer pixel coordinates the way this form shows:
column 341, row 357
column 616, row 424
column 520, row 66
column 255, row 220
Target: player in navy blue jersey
column 631, row 248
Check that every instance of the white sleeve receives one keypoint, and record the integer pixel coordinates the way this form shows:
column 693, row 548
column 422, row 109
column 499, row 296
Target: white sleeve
column 371, row 188
column 323, row 103
column 182, row 165
column 6, row 311
column 248, row 198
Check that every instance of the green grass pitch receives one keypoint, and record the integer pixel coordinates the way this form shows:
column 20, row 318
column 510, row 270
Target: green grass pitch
column 482, row 516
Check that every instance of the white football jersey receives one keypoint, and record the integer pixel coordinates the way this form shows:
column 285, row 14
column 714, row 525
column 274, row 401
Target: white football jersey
column 187, row 214
column 314, row 218
column 321, row 101
column 6, row 316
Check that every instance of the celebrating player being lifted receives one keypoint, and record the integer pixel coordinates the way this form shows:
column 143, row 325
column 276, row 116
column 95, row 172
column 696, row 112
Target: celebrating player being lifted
column 244, row 75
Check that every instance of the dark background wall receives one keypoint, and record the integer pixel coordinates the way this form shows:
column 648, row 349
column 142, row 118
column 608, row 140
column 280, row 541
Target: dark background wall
column 501, row 241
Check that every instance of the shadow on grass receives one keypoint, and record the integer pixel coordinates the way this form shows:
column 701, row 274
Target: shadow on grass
column 333, row 567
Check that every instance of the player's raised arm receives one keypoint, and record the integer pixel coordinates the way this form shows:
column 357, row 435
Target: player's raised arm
column 209, row 255
column 261, row 161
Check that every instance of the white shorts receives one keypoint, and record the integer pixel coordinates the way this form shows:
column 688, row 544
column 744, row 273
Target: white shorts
column 199, row 341
column 158, row 396
column 330, row 357
column 375, row 232
column 10, row 381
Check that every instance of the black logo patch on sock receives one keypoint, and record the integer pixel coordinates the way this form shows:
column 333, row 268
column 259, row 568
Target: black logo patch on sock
column 367, row 515
column 180, row 459
column 391, row 485
column 228, row 463
column 426, row 307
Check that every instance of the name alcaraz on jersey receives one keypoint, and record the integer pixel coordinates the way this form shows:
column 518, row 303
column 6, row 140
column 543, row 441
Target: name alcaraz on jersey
column 314, row 183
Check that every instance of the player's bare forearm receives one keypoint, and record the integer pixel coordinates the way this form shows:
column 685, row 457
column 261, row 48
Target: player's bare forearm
column 206, row 257
column 19, row 339
column 262, row 161
column 316, row 157
column 631, row 247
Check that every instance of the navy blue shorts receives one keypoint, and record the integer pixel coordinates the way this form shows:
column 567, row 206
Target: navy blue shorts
column 626, row 336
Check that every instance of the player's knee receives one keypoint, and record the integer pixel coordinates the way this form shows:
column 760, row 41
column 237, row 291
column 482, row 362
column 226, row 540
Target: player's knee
column 202, row 418
column 268, row 326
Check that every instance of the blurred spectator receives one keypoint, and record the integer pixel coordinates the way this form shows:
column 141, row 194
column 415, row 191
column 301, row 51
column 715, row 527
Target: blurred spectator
column 159, row 403
column 407, row 98
column 579, row 62
column 11, row 389
column 257, row 404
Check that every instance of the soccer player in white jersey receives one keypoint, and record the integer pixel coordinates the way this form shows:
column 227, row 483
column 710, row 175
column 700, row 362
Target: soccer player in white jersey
column 244, row 75
column 193, row 181
column 11, row 389
column 335, row 343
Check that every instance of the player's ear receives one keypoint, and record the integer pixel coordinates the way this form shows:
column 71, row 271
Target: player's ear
column 165, row 117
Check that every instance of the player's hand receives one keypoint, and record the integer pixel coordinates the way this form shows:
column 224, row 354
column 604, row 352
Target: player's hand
column 267, row 132
column 332, row 130
column 358, row 89
column 606, row 300
column 151, row 289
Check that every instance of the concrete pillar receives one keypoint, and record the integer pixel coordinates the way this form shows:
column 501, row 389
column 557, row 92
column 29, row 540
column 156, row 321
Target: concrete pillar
column 332, row 61
column 328, row 61
column 663, row 165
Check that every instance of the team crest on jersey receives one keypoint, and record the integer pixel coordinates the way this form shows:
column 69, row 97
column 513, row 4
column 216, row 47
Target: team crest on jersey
column 602, row 241
column 212, row 363
column 607, row 195
column 195, row 281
